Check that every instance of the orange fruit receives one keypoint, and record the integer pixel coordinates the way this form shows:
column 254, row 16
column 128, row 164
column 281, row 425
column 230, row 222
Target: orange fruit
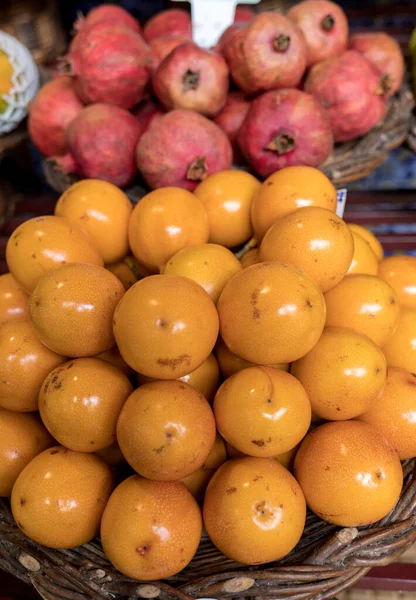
column 164, row 222
column 394, row 413
column 101, row 209
column 166, row 430
column 254, row 510
column 262, row 411
column 400, row 350
column 150, row 529
column 165, row 326
column 197, row 481
column 72, row 309
column 43, row 244
column 114, row 357
column 124, row 273
column 400, row 272
column 24, row 364
column 227, row 197
column 230, row 363
column 210, row 265
column 287, row 190
column 287, row 459
column 80, row 402
column 271, row 313
column 112, row 455
column 59, row 497
column 343, row 374
column 365, row 303
column 251, row 257
column 314, row 240
column 22, row 437
column 369, row 237
column 364, row 259
column 13, row 300
column 349, row 473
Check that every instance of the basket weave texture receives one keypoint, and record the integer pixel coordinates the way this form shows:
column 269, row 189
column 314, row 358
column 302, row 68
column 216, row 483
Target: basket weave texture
column 326, row 561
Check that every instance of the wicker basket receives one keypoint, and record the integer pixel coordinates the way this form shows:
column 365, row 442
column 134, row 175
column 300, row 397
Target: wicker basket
column 411, row 136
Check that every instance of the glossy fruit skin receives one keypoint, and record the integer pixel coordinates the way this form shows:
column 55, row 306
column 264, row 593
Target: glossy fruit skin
column 370, row 238
column 400, row 272
column 205, row 378
column 262, row 411
column 150, row 529
column 394, row 414
column 364, row 259
column 271, row 313
column 210, row 265
column 400, row 350
column 103, row 210
column 72, row 309
column 13, row 300
column 230, row 363
column 251, row 257
column 161, row 47
column 24, row 364
column 124, row 273
column 164, row 222
column 197, row 481
column 344, row 374
column 80, row 403
column 168, row 22
column 59, row 497
column 22, row 437
column 166, row 430
column 287, row 190
column 314, row 240
column 114, row 357
column 349, row 473
column 254, row 510
column 42, row 245
column 365, row 303
column 165, row 326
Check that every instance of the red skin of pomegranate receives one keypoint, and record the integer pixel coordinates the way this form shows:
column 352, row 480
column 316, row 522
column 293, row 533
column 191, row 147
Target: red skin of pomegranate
column 349, row 88
column 192, row 78
column 285, row 128
column 181, row 149
column 111, row 13
column 102, row 141
column 324, row 25
column 231, row 118
column 244, row 14
column 173, row 21
column 163, row 46
column 111, row 64
column 227, row 35
column 146, row 112
column 50, row 113
column 269, row 53
column 385, row 53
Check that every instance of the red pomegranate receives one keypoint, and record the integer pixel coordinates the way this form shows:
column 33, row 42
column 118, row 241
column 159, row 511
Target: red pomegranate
column 324, row 25
column 285, row 128
column 269, row 53
column 227, row 35
column 110, row 13
column 110, row 63
column 244, row 14
column 192, row 78
column 146, row 112
column 50, row 113
column 102, row 140
column 163, row 46
column 384, row 52
column 181, row 149
column 231, row 118
column 350, row 88
column 173, row 21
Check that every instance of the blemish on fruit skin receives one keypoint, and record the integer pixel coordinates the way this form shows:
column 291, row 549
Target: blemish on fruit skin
column 392, row 300
column 173, row 363
column 22, row 501
column 54, row 452
column 257, row 477
column 143, row 550
column 159, row 450
column 309, row 303
column 231, row 490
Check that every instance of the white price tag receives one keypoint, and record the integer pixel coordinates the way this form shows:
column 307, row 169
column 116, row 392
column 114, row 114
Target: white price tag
column 211, row 17
column 341, row 202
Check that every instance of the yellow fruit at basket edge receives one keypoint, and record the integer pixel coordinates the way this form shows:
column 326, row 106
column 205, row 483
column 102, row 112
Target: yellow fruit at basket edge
column 400, row 350
column 400, row 272
column 364, row 259
column 370, row 238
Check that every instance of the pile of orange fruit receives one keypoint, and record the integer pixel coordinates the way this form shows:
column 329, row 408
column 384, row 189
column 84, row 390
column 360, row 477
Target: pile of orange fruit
column 153, row 381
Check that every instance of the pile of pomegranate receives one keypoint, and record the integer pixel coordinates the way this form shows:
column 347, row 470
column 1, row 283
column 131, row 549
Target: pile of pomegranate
column 276, row 91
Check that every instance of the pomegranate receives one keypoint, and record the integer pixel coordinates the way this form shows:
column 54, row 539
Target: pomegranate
column 181, row 149
column 173, row 21
column 110, row 63
column 227, row 35
column 351, row 90
column 269, row 53
column 384, row 52
column 102, row 141
column 192, row 78
column 110, row 13
column 231, row 118
column 146, row 112
column 244, row 14
column 324, row 25
column 285, row 128
column 163, row 46
column 50, row 113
